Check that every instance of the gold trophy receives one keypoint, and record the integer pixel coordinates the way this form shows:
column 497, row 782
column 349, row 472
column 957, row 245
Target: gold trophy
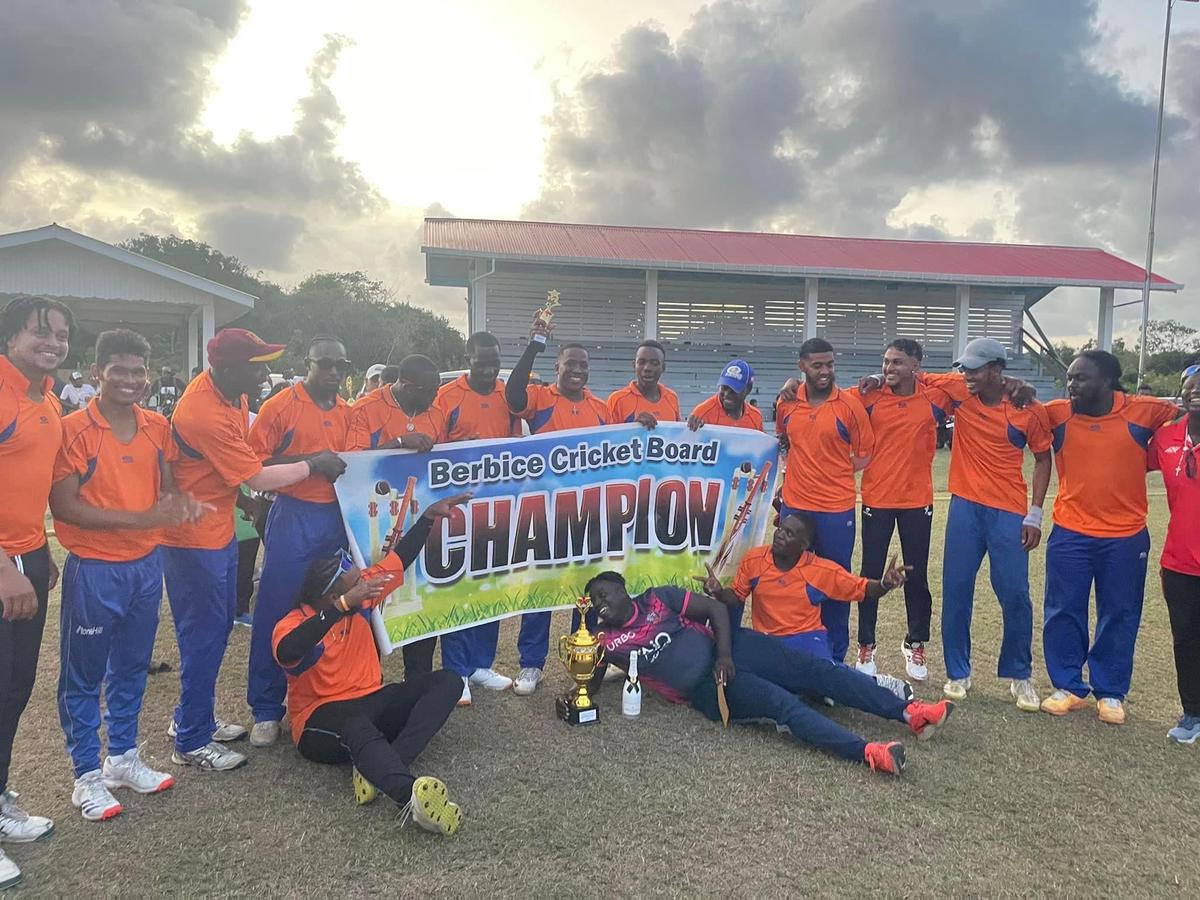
column 582, row 654
column 545, row 315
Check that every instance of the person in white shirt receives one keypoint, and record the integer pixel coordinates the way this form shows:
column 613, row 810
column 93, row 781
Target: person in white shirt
column 77, row 393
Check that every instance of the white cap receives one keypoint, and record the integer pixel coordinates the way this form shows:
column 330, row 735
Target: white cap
column 375, row 371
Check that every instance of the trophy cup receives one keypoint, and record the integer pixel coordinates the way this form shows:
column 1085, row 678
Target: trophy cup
column 581, row 653
column 545, row 315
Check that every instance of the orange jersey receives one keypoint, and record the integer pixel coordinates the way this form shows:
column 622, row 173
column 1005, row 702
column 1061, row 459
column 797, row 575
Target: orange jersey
column 292, row 424
column 30, row 437
column 790, row 602
column 215, row 457
column 377, row 418
column 471, row 416
column 1101, row 463
column 627, row 403
column 548, row 410
column 823, row 444
column 343, row 666
column 900, row 473
column 112, row 475
column 989, row 446
column 711, row 412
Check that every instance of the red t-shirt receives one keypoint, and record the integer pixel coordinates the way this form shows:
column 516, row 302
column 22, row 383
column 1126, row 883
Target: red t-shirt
column 1169, row 450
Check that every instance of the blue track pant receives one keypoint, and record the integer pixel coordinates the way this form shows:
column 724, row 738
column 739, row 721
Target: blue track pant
column 533, row 640
column 973, row 530
column 1118, row 567
column 471, row 648
column 109, row 618
column 835, row 541
column 297, row 532
column 770, row 679
column 202, row 589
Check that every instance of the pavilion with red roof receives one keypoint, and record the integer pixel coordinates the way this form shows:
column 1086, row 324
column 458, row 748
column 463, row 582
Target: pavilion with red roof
column 711, row 295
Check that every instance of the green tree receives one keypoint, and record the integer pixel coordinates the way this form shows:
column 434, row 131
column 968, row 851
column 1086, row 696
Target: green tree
column 1170, row 336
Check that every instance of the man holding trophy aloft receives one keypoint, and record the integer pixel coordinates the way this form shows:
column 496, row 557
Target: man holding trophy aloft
column 565, row 404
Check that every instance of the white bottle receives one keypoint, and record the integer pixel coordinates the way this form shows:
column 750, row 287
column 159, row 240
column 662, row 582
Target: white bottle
column 631, row 694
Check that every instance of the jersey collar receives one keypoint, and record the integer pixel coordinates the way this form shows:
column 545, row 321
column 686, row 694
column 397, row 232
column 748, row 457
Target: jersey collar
column 17, row 377
column 97, row 417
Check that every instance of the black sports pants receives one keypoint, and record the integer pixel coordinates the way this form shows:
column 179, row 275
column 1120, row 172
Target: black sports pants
column 877, row 527
column 1182, row 593
column 383, row 732
column 20, row 643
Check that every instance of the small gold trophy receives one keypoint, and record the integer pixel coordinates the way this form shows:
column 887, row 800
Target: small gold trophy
column 545, row 315
column 581, row 653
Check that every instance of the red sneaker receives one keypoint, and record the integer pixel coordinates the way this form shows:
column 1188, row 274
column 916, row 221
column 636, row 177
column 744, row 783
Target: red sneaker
column 887, row 758
column 926, row 718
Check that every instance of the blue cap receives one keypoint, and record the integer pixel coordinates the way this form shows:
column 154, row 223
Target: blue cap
column 737, row 375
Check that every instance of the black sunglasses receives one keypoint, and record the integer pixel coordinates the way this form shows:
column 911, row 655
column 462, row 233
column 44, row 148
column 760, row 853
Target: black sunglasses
column 325, row 364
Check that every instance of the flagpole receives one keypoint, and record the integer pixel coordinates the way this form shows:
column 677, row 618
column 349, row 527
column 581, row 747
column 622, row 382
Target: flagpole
column 1162, row 93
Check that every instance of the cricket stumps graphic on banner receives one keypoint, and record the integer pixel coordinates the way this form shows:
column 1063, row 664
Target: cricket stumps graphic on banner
column 549, row 512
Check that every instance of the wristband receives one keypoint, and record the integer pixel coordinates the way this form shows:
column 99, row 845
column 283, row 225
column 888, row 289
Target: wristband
column 539, row 339
column 341, row 604
column 1033, row 518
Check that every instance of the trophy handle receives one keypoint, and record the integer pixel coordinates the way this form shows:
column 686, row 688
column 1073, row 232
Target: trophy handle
column 562, row 648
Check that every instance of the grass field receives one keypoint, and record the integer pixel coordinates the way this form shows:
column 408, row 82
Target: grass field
column 1001, row 803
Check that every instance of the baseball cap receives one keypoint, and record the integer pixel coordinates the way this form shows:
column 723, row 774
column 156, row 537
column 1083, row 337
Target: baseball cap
column 237, row 345
column 375, row 371
column 981, row 351
column 737, row 375
column 75, row 375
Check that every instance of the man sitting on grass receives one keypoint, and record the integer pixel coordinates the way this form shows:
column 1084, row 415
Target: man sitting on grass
column 683, row 637
column 340, row 709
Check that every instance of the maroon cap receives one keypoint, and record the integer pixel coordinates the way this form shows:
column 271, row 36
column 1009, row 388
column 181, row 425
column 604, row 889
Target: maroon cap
column 237, row 345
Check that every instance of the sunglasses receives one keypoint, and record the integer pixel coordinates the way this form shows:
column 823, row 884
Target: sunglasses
column 345, row 564
column 1189, row 372
column 325, row 364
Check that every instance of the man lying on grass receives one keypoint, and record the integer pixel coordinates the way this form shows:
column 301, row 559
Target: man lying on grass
column 339, row 708
column 686, row 653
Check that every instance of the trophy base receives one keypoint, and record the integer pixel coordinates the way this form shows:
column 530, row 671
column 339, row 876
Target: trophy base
column 572, row 715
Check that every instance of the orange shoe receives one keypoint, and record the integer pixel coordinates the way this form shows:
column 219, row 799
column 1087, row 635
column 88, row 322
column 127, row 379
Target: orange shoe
column 1062, row 702
column 926, row 718
column 887, row 758
column 1111, row 710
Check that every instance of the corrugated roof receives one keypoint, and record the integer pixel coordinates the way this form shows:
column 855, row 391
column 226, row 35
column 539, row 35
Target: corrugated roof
column 784, row 254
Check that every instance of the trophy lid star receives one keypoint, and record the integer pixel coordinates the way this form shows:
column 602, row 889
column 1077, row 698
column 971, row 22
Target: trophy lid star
column 552, row 298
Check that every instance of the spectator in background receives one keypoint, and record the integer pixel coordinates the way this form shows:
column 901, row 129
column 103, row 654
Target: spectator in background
column 166, row 391
column 1145, row 390
column 76, row 394
column 371, row 381
column 389, row 375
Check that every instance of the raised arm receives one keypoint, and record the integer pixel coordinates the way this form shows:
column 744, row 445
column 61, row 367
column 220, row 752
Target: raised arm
column 516, row 389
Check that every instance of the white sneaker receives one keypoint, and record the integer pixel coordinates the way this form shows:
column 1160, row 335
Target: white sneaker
column 465, row 699
column 898, row 686
column 914, row 660
column 1026, row 694
column 226, row 732
column 264, row 734
column 527, row 681
column 491, row 679
column 866, row 659
column 93, row 799
column 10, row 875
column 956, row 688
column 18, row 826
column 129, row 771
column 212, row 757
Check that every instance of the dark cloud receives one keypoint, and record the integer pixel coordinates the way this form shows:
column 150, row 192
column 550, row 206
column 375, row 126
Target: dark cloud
column 822, row 116
column 264, row 240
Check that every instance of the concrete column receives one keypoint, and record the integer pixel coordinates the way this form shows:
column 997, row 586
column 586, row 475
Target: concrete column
column 478, row 299
column 208, row 326
column 194, row 352
column 650, row 326
column 811, row 297
column 962, row 316
column 1104, row 320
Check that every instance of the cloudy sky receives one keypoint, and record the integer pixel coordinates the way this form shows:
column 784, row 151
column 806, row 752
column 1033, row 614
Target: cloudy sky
column 304, row 135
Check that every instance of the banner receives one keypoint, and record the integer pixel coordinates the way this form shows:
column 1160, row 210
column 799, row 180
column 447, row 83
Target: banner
column 550, row 511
